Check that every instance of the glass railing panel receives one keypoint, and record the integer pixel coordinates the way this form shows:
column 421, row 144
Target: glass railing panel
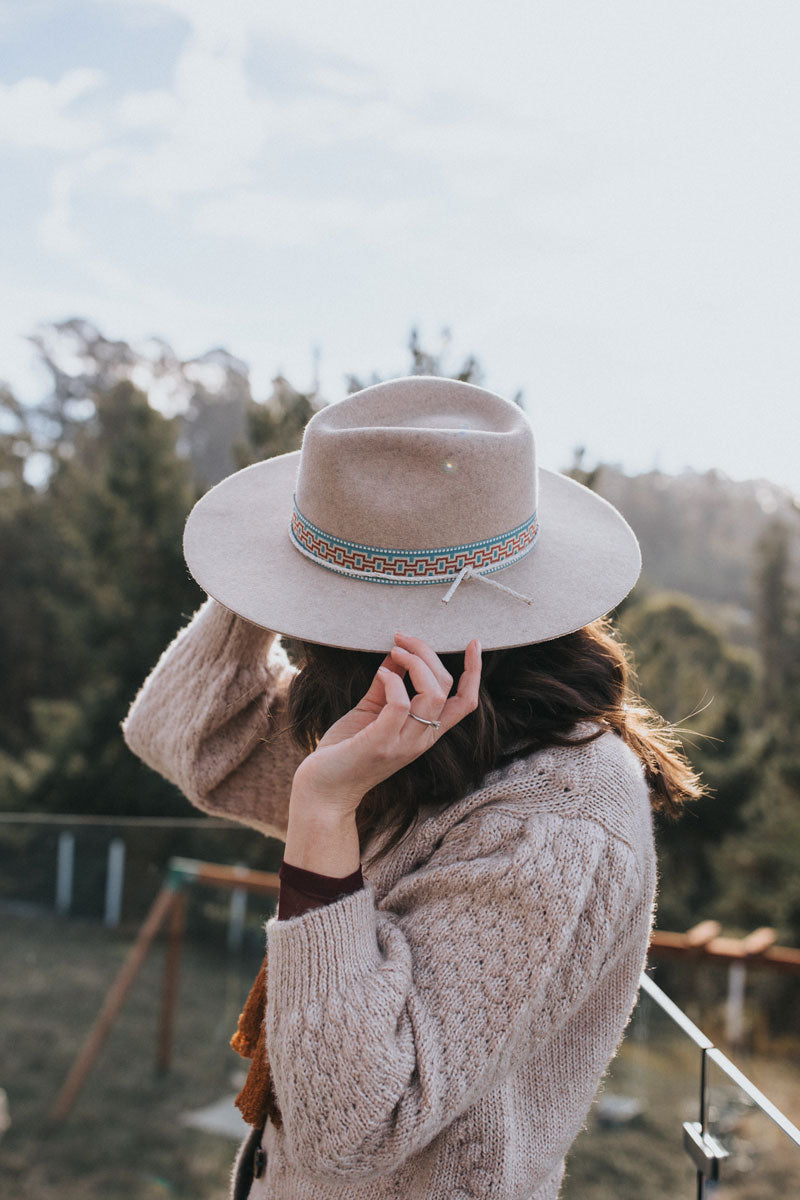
column 632, row 1143
column 762, row 1144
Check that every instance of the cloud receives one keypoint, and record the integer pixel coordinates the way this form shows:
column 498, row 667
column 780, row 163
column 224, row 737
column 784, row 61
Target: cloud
column 33, row 112
column 207, row 134
column 267, row 219
column 271, row 135
column 150, row 110
column 214, row 143
column 345, row 81
column 591, row 193
column 220, row 144
column 59, row 230
column 56, row 229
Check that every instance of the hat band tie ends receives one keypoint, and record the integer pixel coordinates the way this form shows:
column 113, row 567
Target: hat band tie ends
column 447, row 564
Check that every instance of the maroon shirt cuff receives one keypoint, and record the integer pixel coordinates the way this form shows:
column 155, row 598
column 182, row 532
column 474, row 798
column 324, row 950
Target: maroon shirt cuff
column 302, row 890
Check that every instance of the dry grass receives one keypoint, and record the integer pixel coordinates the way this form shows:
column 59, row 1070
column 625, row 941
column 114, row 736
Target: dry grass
column 124, row 1140
column 646, row 1158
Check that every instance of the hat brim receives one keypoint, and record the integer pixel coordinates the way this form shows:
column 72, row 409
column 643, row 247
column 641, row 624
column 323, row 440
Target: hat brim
column 237, row 546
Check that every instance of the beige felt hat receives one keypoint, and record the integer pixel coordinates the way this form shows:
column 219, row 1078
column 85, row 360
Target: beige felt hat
column 417, row 506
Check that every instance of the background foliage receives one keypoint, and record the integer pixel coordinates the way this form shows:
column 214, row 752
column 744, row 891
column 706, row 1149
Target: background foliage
column 96, row 481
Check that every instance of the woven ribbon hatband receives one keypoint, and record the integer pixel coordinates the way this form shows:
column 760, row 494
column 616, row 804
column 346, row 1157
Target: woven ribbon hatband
column 438, row 565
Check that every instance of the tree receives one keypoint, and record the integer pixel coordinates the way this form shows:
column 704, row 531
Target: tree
column 776, row 619
column 276, row 426
column 208, row 395
column 759, row 865
column 40, row 564
column 697, row 681
column 117, row 592
column 588, row 476
column 427, row 362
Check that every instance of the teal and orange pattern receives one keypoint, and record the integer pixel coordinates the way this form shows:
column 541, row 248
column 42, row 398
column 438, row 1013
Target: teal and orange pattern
column 432, row 565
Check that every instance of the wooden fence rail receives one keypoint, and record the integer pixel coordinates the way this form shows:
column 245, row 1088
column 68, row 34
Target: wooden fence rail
column 703, row 942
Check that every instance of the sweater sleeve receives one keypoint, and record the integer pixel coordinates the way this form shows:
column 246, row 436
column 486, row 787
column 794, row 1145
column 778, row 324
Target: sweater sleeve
column 211, row 717
column 385, row 1023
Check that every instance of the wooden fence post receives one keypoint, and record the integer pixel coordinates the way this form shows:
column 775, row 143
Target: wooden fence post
column 112, row 1004
column 169, row 995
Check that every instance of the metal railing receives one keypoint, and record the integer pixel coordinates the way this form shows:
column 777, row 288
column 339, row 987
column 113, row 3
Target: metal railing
column 676, row 1118
column 703, row 1140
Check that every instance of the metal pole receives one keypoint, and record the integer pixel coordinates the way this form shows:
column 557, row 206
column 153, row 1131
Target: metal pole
column 64, row 871
column 115, row 879
column 734, row 1007
column 238, row 912
column 701, row 1179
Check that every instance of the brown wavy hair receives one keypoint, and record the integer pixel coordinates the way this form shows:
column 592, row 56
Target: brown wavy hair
column 530, row 697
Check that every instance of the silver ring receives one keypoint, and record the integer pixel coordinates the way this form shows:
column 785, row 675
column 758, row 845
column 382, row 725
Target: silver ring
column 422, row 721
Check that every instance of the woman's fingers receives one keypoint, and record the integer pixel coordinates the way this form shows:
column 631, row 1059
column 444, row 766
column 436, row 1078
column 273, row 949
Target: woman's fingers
column 375, row 694
column 390, row 663
column 429, row 657
column 466, row 698
column 393, row 722
column 394, row 714
column 423, row 678
column 373, row 741
column 426, row 670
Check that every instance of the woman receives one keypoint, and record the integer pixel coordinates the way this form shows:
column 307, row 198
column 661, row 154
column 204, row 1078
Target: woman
column 468, row 875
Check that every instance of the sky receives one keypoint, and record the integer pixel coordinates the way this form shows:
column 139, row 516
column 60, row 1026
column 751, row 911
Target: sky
column 601, row 201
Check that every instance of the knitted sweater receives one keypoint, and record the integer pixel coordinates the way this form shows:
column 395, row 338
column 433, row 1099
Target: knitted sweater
column 441, row 1032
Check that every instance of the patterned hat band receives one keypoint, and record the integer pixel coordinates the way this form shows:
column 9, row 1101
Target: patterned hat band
column 446, row 564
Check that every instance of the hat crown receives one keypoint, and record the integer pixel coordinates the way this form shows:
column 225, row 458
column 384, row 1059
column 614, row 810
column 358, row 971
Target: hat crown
column 424, row 464
column 414, row 463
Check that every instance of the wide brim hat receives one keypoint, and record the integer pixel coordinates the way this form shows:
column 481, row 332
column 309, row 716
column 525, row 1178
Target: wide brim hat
column 407, row 505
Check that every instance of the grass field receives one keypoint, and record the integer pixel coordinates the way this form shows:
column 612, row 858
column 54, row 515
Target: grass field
column 124, row 1139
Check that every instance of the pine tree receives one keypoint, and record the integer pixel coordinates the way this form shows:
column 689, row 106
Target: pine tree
column 695, row 679
column 117, row 592
column 773, row 612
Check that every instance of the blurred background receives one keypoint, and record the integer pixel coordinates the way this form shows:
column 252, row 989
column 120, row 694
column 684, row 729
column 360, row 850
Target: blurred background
column 218, row 218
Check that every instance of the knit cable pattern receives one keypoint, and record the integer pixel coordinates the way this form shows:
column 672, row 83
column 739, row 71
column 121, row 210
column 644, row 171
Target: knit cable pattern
column 439, row 1034
column 386, row 1022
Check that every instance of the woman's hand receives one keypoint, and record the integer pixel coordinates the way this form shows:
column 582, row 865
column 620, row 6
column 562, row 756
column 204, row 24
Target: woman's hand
column 378, row 737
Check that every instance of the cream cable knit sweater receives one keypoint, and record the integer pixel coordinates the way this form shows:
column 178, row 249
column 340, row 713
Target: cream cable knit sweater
column 440, row 1033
